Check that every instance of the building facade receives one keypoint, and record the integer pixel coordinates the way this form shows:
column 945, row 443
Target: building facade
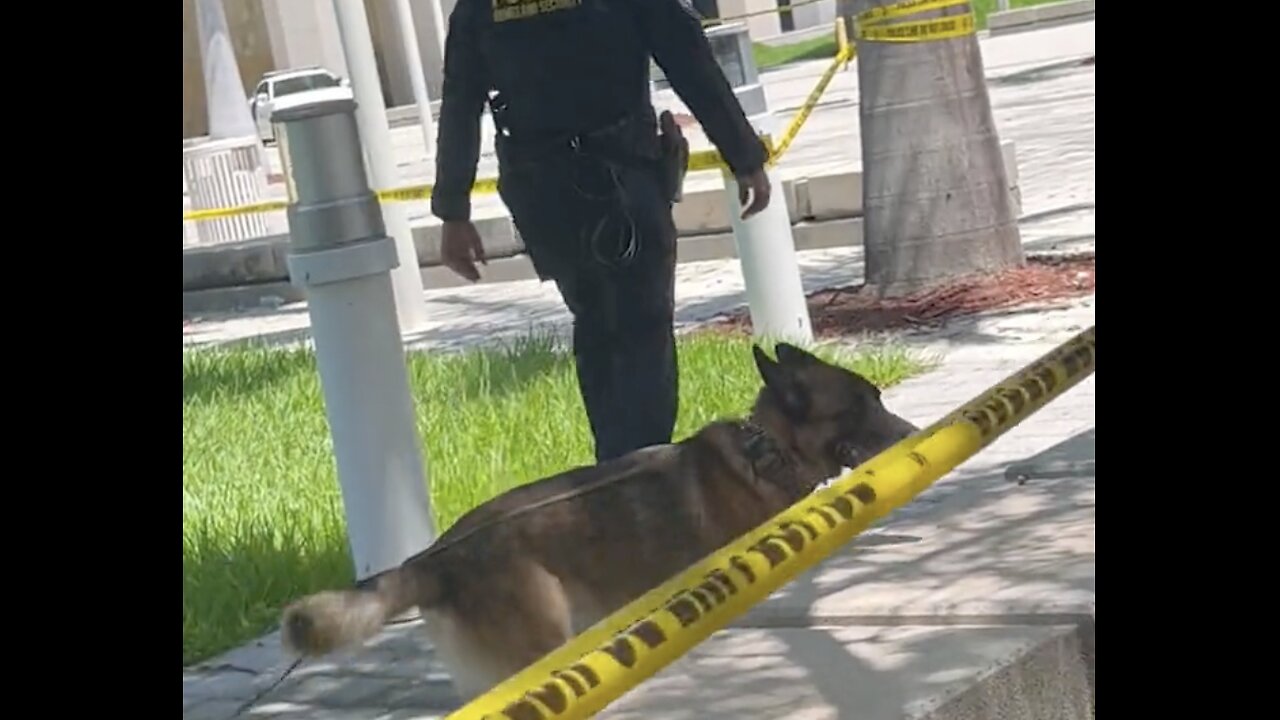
column 280, row 34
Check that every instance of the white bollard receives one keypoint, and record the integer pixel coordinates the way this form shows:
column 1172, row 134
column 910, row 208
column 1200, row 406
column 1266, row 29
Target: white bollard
column 767, row 252
column 357, row 47
column 766, row 248
column 340, row 253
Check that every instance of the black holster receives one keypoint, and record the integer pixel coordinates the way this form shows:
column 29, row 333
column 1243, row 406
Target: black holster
column 675, row 156
column 629, row 141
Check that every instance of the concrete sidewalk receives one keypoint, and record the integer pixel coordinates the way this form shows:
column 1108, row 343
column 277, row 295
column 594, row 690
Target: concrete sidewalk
column 976, row 600
column 471, row 315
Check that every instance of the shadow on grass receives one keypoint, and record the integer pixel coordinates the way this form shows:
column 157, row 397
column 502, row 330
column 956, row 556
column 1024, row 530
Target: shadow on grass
column 217, row 612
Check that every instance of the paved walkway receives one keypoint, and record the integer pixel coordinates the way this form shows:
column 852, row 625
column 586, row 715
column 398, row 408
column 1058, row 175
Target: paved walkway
column 978, row 579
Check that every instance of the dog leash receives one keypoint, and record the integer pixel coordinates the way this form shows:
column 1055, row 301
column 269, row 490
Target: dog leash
column 270, row 688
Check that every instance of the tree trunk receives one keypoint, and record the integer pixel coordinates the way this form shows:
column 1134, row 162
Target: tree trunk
column 935, row 193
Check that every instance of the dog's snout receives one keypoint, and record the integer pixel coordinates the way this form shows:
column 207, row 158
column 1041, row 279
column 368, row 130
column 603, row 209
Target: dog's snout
column 905, row 428
column 894, row 429
column 880, row 436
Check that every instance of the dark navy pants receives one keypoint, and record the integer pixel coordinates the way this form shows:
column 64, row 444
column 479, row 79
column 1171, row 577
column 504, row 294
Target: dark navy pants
column 604, row 234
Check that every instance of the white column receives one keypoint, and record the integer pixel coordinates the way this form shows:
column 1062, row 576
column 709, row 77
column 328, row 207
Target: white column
column 304, row 32
column 412, row 56
column 371, row 113
column 442, row 25
column 225, row 99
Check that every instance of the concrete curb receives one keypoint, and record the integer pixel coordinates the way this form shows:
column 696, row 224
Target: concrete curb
column 825, row 211
column 268, row 337
column 1038, row 17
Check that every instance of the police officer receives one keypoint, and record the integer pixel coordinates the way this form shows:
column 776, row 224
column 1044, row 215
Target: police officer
column 589, row 178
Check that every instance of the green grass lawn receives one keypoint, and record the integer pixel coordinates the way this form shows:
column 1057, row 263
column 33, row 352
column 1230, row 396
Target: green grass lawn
column 825, row 46
column 261, row 511
column 771, row 56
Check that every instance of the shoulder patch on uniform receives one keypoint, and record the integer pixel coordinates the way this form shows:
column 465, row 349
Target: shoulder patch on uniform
column 508, row 10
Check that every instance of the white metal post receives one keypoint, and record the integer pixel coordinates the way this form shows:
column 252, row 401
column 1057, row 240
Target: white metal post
column 409, row 38
column 371, row 113
column 766, row 248
column 340, row 253
column 767, row 253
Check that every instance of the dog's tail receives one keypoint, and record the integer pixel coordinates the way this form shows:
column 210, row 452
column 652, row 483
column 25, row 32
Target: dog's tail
column 339, row 619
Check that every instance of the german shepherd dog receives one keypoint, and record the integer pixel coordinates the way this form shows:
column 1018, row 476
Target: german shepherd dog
column 519, row 575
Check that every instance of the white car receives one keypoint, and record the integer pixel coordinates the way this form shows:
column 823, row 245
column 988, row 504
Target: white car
column 287, row 82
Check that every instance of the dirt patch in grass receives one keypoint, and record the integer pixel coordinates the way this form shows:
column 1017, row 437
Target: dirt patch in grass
column 851, row 310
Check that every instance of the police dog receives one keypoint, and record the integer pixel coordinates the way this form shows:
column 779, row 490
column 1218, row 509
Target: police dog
column 522, row 573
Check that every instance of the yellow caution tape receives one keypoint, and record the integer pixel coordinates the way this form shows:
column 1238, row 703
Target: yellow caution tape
column 408, row 193
column 705, row 160
column 713, row 160
column 811, row 102
column 698, row 161
column 268, row 206
column 946, row 28
column 874, row 24
column 588, row 672
column 904, row 8
column 415, row 193
column 702, row 160
column 843, row 46
column 768, row 11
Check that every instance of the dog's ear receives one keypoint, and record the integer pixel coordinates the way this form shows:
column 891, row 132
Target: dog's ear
column 789, row 354
column 765, row 365
column 782, row 384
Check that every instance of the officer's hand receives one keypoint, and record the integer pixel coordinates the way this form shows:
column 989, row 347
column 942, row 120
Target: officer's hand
column 757, row 186
column 460, row 248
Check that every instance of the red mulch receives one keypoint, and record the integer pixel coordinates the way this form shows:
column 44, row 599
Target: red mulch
column 849, row 310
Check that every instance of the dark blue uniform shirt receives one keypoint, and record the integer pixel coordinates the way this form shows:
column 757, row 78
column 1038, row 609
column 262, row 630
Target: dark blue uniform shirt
column 562, row 68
